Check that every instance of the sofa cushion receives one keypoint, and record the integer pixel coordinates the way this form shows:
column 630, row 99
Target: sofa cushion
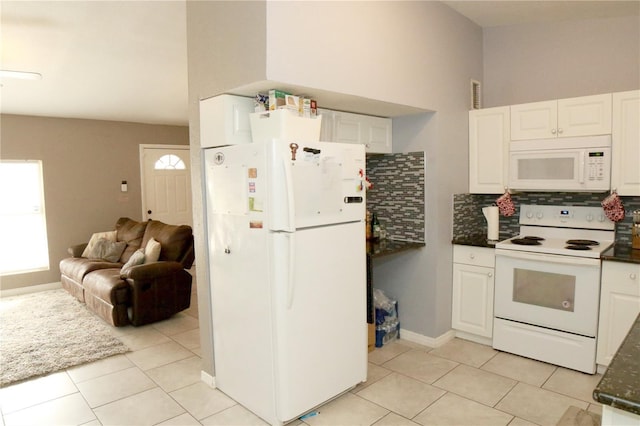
column 107, row 285
column 109, row 235
column 131, row 232
column 77, row 267
column 176, row 240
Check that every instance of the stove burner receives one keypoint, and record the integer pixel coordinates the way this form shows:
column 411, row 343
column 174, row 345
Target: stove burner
column 577, row 247
column 534, row 238
column 525, row 242
column 583, row 243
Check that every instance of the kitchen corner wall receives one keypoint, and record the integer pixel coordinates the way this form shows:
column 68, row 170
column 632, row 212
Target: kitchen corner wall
column 469, row 221
column 397, row 196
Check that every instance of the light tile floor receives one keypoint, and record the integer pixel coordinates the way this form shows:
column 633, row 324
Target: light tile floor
column 158, row 382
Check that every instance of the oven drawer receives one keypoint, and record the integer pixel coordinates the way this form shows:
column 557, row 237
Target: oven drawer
column 471, row 255
column 552, row 346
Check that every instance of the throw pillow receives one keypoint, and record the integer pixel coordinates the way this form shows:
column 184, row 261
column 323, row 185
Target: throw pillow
column 107, row 250
column 137, row 258
column 152, row 251
column 108, row 235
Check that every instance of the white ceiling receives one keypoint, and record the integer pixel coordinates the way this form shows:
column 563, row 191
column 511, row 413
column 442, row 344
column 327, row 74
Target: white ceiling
column 127, row 60
column 516, row 12
column 110, row 60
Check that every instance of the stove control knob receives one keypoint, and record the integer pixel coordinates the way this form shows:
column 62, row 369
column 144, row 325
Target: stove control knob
column 539, row 215
column 589, row 217
column 601, row 218
column 529, row 215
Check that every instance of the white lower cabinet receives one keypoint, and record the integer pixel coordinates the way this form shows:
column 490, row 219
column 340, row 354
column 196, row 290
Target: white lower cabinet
column 619, row 306
column 473, row 282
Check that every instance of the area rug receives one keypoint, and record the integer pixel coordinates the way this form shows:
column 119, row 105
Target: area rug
column 49, row 331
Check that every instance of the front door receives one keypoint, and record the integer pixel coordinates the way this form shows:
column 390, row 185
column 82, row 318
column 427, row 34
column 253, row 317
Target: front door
column 166, row 183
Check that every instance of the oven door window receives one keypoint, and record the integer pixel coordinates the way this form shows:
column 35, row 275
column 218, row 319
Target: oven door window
column 545, row 289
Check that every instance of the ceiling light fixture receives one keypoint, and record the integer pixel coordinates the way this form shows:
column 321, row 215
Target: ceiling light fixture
column 22, row 75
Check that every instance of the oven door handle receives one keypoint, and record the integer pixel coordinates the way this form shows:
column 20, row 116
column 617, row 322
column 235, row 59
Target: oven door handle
column 541, row 257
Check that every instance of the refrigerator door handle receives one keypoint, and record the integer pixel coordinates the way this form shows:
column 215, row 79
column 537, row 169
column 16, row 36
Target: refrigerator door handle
column 288, row 181
column 281, row 188
column 291, row 272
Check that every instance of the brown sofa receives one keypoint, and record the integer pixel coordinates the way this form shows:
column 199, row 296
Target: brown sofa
column 143, row 293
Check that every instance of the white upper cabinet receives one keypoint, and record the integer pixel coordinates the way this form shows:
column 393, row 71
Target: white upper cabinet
column 373, row 132
column 625, row 140
column 488, row 150
column 224, row 120
column 582, row 116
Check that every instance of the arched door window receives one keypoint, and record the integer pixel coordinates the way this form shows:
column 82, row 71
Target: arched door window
column 169, row 162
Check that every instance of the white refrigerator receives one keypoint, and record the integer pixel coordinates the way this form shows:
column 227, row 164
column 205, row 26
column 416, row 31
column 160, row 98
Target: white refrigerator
column 287, row 258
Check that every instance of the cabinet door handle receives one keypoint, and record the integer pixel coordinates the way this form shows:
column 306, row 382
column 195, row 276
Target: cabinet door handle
column 472, row 256
column 490, row 274
column 560, row 130
column 632, row 276
column 553, row 131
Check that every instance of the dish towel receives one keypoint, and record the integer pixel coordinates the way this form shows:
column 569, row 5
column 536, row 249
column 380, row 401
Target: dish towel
column 505, row 205
column 613, row 207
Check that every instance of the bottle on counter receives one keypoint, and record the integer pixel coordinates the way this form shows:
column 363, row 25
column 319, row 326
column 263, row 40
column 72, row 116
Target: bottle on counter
column 375, row 227
column 368, row 226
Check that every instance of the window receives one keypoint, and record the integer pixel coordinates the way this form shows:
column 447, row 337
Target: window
column 23, row 227
column 169, row 162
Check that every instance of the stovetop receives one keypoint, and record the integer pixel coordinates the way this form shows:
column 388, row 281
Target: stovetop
column 550, row 229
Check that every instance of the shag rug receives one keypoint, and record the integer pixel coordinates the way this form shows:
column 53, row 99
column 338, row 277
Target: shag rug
column 48, row 331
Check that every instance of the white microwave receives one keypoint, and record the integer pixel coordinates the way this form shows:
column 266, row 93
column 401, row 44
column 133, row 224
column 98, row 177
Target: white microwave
column 578, row 164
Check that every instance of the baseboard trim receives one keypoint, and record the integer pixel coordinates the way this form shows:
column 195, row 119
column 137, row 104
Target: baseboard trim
column 432, row 342
column 474, row 338
column 208, row 379
column 30, row 289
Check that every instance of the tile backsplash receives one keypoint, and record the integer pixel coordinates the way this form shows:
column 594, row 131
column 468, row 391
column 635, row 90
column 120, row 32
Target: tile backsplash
column 397, row 196
column 468, row 219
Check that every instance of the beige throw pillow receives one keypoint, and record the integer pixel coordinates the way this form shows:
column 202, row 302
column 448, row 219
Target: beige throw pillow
column 152, row 251
column 137, row 258
column 108, row 235
column 107, row 250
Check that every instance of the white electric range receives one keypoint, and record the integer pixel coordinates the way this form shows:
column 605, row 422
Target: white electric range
column 547, row 285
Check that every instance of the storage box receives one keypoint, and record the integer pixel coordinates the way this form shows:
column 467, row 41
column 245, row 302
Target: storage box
column 276, row 99
column 284, row 125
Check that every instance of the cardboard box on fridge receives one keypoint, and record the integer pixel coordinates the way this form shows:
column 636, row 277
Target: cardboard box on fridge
column 277, row 99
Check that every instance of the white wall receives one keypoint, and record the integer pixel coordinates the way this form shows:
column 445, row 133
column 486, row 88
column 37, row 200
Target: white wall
column 535, row 62
column 420, row 54
column 225, row 49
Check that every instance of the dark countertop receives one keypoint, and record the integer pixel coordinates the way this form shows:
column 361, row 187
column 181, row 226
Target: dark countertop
column 620, row 384
column 379, row 248
column 622, row 253
column 479, row 240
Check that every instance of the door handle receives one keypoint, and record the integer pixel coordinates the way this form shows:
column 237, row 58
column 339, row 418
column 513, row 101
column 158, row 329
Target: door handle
column 148, row 211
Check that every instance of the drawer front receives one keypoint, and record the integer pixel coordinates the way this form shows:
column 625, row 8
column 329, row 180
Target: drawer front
column 621, row 273
column 471, row 255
